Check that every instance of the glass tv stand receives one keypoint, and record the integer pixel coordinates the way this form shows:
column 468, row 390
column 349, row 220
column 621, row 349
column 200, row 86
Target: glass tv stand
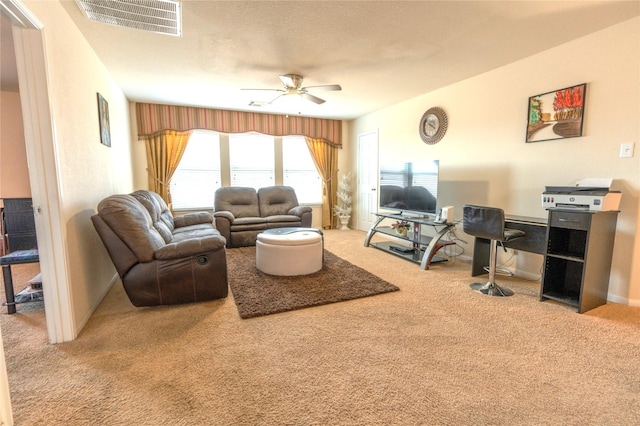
column 421, row 248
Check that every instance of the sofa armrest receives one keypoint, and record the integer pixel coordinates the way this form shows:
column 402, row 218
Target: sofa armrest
column 192, row 219
column 191, row 247
column 225, row 214
column 300, row 210
column 224, row 219
column 304, row 213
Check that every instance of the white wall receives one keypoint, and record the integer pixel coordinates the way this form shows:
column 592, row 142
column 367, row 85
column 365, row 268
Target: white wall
column 483, row 156
column 87, row 170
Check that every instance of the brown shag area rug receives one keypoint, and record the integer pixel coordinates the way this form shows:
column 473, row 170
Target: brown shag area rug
column 257, row 293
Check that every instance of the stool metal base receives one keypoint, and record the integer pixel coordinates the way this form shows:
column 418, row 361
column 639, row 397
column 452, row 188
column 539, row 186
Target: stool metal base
column 491, row 289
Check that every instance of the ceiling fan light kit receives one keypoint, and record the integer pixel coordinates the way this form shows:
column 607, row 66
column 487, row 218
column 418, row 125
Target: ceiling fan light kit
column 293, row 91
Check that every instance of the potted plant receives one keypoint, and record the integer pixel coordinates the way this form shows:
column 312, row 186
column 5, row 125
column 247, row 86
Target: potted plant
column 401, row 227
column 343, row 208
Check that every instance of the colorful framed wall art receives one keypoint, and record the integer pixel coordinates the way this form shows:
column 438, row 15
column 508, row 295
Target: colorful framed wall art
column 556, row 115
column 103, row 117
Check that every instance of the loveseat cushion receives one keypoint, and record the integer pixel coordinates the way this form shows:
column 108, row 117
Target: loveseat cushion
column 240, row 201
column 276, row 200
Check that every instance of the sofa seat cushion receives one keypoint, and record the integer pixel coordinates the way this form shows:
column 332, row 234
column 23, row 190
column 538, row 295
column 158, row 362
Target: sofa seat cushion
column 191, row 228
column 282, row 218
column 190, row 247
column 248, row 225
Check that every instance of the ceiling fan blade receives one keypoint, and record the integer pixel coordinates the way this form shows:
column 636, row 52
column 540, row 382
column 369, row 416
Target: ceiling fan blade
column 287, row 80
column 263, row 103
column 272, row 90
column 324, row 87
column 312, row 98
column 275, row 99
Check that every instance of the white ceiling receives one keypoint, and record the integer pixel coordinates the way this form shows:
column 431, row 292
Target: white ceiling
column 380, row 52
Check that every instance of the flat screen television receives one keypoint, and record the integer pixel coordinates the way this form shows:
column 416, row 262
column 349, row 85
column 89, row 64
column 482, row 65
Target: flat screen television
column 409, row 187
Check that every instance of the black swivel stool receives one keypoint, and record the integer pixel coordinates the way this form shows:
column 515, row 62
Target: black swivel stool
column 488, row 223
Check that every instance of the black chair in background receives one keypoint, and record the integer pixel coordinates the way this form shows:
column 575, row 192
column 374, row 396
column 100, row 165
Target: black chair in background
column 488, row 223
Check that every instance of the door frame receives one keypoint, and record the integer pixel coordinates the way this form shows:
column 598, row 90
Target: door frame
column 42, row 160
column 363, row 220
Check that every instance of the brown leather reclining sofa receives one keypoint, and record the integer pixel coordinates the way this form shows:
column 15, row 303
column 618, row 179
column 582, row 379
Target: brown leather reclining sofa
column 160, row 259
column 242, row 213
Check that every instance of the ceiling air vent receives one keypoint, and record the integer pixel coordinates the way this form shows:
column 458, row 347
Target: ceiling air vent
column 158, row 16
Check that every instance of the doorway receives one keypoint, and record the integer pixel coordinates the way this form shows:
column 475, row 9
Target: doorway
column 367, row 179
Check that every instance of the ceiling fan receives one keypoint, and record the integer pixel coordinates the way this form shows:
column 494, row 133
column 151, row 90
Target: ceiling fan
column 293, row 87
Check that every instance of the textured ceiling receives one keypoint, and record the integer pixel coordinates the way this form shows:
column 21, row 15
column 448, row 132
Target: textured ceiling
column 380, row 52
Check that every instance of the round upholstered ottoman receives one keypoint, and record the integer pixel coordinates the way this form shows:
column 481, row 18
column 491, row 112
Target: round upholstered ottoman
column 289, row 251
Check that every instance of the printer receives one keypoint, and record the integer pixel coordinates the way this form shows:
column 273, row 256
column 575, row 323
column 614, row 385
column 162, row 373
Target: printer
column 587, row 194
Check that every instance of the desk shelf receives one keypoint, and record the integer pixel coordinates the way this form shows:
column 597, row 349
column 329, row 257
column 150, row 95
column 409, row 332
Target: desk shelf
column 577, row 262
column 423, row 248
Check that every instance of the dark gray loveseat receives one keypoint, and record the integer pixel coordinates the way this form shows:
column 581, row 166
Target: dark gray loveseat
column 242, row 213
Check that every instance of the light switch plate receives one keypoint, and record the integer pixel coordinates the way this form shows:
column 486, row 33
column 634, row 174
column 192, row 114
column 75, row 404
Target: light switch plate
column 626, row 150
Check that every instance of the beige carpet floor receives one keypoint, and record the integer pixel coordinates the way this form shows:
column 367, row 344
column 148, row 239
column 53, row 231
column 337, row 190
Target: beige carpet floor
column 433, row 353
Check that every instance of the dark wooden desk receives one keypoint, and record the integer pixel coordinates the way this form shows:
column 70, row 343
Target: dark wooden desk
column 15, row 258
column 534, row 241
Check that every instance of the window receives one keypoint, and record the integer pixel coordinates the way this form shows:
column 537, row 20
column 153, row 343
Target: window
column 196, row 179
column 299, row 171
column 252, row 160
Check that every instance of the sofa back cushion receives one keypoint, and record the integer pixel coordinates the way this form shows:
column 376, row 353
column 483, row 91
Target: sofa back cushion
column 276, row 200
column 240, row 201
column 161, row 217
column 131, row 222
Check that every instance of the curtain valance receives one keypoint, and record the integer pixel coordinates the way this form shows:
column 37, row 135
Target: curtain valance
column 154, row 118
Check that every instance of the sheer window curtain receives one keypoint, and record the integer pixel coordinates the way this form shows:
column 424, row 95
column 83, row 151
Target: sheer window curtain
column 164, row 152
column 325, row 157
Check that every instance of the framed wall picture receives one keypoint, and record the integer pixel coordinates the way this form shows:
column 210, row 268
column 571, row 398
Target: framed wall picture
column 556, row 115
column 103, row 117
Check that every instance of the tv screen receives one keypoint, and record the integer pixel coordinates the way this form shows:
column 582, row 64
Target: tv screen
column 409, row 187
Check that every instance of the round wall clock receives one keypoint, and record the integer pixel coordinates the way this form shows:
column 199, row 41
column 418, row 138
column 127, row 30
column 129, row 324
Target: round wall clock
column 433, row 125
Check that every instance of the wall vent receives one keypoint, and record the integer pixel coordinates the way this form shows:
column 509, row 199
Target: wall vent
column 158, row 16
